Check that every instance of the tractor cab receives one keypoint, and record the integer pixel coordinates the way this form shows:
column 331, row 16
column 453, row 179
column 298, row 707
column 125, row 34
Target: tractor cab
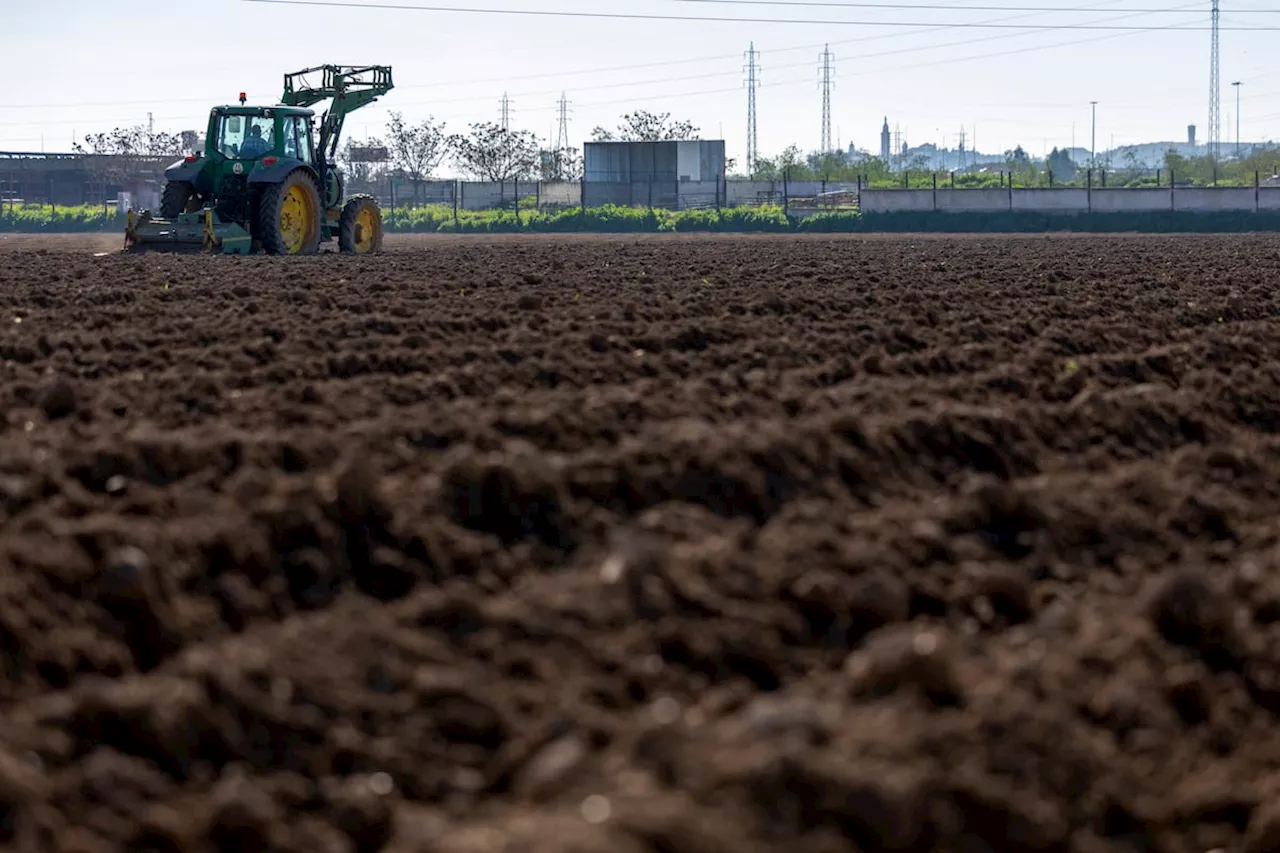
column 252, row 133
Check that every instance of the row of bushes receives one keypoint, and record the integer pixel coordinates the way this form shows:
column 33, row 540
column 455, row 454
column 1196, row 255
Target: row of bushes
column 628, row 220
column 440, row 218
column 607, row 219
column 33, row 218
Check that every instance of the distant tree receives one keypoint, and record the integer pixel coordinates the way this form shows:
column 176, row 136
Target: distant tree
column 1021, row 168
column 1017, row 160
column 644, row 126
column 918, row 163
column 417, row 149
column 119, row 155
column 494, row 153
column 790, row 157
column 564, row 164
column 132, row 142
column 1060, row 164
column 359, row 172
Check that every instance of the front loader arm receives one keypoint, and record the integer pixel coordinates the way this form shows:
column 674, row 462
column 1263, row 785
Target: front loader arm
column 350, row 86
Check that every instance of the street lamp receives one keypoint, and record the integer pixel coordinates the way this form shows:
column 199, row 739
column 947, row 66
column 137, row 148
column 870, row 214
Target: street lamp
column 1237, row 87
column 1093, row 137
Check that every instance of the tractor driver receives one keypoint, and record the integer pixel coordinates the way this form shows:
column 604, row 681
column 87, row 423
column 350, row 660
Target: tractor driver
column 254, row 145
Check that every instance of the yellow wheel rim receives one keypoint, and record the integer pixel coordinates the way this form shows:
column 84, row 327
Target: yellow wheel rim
column 296, row 219
column 365, row 230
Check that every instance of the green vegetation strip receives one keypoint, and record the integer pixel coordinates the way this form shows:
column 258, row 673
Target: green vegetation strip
column 433, row 219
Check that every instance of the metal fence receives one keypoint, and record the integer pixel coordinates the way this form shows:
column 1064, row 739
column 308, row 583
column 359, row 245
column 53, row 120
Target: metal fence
column 69, row 180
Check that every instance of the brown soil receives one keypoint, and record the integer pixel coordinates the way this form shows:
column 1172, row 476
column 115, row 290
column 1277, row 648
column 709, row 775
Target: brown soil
column 618, row 545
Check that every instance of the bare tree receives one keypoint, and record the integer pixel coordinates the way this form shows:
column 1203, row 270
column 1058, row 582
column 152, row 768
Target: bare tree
column 359, row 171
column 644, row 126
column 120, row 155
column 564, row 164
column 416, row 149
column 494, row 153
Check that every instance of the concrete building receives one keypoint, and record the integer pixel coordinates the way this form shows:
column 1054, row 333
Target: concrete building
column 69, row 179
column 657, row 174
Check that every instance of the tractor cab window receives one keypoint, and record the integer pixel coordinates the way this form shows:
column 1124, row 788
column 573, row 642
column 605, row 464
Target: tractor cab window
column 303, row 129
column 246, row 137
column 290, row 138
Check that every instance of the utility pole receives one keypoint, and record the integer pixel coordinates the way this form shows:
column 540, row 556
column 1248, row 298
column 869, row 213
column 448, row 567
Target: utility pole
column 752, row 138
column 1237, row 87
column 151, row 124
column 825, row 56
column 1093, row 137
column 1215, row 105
column 962, row 138
column 506, row 112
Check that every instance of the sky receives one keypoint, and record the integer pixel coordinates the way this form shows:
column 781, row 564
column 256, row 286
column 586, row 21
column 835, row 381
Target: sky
column 92, row 66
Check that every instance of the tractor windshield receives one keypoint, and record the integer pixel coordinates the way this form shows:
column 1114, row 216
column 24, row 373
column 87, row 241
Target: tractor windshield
column 245, row 137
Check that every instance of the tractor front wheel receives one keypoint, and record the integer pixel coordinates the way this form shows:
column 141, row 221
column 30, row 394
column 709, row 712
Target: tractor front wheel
column 178, row 197
column 289, row 216
column 360, row 229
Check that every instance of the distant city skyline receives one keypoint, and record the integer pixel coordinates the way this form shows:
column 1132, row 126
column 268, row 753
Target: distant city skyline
column 97, row 67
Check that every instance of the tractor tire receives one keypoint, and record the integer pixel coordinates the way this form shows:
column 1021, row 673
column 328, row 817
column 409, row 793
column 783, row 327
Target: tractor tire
column 289, row 216
column 178, row 197
column 360, row 228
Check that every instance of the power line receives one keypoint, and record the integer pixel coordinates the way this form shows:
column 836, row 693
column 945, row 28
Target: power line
column 794, row 81
column 840, row 4
column 560, row 13
column 631, row 67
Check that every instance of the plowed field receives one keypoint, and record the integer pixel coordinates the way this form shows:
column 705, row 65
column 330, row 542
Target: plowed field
column 624, row 545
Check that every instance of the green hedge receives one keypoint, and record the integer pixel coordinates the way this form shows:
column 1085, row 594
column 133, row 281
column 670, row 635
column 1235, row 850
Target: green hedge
column 34, row 218
column 628, row 220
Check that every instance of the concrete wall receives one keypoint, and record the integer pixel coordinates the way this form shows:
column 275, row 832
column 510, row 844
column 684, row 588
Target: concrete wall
column 700, row 194
column 680, row 195
column 1064, row 200
column 1067, row 200
column 1131, row 200
column 973, row 201
column 1214, row 199
column 896, row 201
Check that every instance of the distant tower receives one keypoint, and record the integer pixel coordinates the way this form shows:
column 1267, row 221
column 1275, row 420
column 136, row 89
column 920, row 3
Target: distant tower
column 962, row 138
column 562, row 136
column 1215, row 106
column 506, row 112
column 825, row 56
column 752, row 138
column 886, row 146
column 562, row 131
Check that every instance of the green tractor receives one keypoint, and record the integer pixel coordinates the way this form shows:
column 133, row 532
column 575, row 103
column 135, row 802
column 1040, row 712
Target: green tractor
column 264, row 182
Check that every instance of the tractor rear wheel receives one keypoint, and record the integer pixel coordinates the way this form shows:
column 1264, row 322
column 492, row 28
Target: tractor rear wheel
column 178, row 197
column 289, row 215
column 360, row 229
